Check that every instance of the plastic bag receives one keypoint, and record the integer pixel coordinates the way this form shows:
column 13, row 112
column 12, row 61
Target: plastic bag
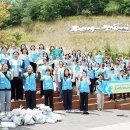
column 28, row 120
column 18, row 120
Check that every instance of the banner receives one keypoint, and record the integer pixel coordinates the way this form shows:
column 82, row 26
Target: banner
column 111, row 87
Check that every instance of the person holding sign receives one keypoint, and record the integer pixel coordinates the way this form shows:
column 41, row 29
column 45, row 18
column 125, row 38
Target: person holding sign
column 99, row 92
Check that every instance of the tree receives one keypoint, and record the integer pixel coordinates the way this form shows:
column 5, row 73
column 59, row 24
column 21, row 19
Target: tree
column 3, row 11
column 112, row 8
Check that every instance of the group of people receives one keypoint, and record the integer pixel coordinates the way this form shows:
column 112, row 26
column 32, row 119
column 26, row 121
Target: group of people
column 74, row 71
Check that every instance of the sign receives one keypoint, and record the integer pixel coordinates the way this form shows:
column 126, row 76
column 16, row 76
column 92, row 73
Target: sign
column 111, row 87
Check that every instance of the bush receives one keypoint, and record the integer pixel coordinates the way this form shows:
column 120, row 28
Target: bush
column 86, row 12
column 27, row 23
column 112, row 8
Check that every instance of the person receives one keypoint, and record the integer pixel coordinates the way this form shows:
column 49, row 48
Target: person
column 84, row 89
column 122, row 77
column 77, row 72
column 112, row 77
column 4, row 57
column 99, row 92
column 16, row 67
column 5, row 89
column 24, row 56
column 61, row 75
column 33, row 56
column 30, row 87
column 1, row 45
column 42, row 67
column 48, row 88
column 12, row 49
column 67, row 90
column 90, row 73
column 99, row 58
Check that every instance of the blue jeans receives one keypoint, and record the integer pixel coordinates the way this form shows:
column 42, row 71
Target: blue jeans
column 5, row 96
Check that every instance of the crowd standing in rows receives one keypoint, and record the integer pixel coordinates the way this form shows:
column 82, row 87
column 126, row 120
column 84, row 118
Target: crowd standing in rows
column 76, row 71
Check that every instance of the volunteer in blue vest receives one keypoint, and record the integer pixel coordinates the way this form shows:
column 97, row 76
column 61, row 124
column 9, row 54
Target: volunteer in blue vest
column 48, row 88
column 33, row 55
column 90, row 73
column 5, row 88
column 97, row 71
column 25, row 58
column 43, row 66
column 30, row 87
column 67, row 90
column 12, row 49
column 4, row 57
column 122, row 77
column 99, row 58
column 99, row 92
column 16, row 67
column 84, row 89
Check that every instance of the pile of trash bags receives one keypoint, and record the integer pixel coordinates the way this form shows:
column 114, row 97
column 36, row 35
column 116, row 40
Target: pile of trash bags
column 43, row 114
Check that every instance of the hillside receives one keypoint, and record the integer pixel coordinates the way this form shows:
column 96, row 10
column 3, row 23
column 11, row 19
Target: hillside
column 58, row 33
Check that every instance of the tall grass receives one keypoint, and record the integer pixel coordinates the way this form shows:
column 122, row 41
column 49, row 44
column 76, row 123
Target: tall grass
column 58, row 33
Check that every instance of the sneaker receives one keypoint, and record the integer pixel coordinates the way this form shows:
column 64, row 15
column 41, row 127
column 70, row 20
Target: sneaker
column 12, row 100
column 43, row 97
column 100, row 109
column 19, row 100
column 85, row 112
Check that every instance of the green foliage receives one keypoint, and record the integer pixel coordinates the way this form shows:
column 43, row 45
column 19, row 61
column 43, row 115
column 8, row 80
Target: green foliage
column 86, row 12
column 27, row 23
column 114, row 53
column 23, row 11
column 112, row 8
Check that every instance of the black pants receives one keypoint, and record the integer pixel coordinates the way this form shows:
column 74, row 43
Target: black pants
column 34, row 66
column 67, row 99
column 30, row 99
column 112, row 97
column 84, row 101
column 49, row 97
column 60, row 90
column 41, row 85
column 17, row 88
column 92, row 86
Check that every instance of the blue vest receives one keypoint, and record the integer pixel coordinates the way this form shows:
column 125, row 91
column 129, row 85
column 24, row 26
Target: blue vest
column 128, row 77
column 90, row 73
column 100, row 85
column 26, row 61
column 67, row 84
column 84, row 86
column 97, row 72
column 34, row 56
column 3, row 58
column 123, row 78
column 5, row 81
column 107, row 72
column 19, row 66
column 43, row 70
column 113, row 77
column 48, row 83
column 68, row 63
column 62, row 73
column 30, row 82
column 77, row 68
column 99, row 59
